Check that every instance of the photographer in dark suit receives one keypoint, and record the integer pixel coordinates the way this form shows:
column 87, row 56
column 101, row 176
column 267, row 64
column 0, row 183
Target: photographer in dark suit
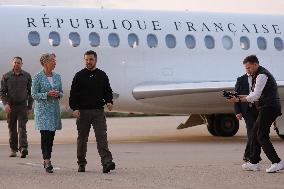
column 245, row 110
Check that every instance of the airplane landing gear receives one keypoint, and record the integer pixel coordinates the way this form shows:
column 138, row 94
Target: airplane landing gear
column 225, row 125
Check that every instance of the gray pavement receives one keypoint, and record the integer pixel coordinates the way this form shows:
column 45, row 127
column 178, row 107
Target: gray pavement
column 149, row 153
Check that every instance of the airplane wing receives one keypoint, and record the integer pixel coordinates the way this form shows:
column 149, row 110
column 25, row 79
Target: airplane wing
column 203, row 97
column 146, row 91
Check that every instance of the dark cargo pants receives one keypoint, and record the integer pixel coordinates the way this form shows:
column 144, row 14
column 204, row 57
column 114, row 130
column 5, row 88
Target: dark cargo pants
column 250, row 118
column 260, row 137
column 18, row 135
column 96, row 118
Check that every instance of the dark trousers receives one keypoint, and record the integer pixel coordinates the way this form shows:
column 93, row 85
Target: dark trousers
column 47, row 138
column 97, row 119
column 250, row 118
column 18, row 114
column 260, row 137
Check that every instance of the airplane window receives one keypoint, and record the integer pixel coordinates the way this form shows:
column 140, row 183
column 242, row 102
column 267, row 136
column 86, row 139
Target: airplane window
column 171, row 41
column 261, row 43
column 94, row 39
column 74, row 39
column 244, row 43
column 113, row 40
column 209, row 42
column 278, row 43
column 34, row 38
column 227, row 42
column 152, row 41
column 133, row 40
column 54, row 39
column 190, row 41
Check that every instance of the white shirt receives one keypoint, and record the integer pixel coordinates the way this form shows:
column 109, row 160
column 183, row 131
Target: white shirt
column 249, row 81
column 50, row 81
column 260, row 83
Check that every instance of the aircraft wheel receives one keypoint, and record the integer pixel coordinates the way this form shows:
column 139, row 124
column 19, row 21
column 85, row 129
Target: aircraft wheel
column 226, row 125
column 210, row 125
column 277, row 131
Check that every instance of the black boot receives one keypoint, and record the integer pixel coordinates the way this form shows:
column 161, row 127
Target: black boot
column 81, row 168
column 24, row 152
column 48, row 167
column 108, row 167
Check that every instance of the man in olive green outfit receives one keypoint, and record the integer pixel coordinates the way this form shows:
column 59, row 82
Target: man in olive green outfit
column 15, row 94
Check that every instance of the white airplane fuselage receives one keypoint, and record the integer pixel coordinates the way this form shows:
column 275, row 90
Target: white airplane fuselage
column 129, row 67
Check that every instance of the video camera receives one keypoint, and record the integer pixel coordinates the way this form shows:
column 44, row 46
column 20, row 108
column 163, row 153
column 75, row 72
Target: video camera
column 229, row 95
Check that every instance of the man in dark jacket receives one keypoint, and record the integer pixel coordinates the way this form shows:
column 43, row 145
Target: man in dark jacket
column 90, row 91
column 245, row 110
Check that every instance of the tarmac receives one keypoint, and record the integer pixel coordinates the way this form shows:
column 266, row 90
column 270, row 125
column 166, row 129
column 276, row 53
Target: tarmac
column 149, row 153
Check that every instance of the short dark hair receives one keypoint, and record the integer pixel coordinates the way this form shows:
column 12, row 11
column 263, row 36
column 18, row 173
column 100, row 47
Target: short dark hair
column 17, row 57
column 90, row 52
column 251, row 59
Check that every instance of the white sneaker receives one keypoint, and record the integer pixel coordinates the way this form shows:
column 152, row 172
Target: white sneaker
column 250, row 167
column 275, row 167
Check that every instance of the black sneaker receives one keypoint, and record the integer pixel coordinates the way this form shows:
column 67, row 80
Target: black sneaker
column 24, row 153
column 108, row 167
column 81, row 168
column 48, row 167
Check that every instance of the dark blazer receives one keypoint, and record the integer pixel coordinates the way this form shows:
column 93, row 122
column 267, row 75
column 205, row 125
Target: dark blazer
column 242, row 88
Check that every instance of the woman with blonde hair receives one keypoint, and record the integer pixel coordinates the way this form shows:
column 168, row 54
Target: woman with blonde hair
column 46, row 91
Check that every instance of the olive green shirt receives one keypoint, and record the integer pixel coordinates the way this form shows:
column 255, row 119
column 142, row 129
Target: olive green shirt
column 16, row 89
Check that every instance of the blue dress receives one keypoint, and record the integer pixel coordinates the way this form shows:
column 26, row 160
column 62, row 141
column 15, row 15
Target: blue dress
column 47, row 109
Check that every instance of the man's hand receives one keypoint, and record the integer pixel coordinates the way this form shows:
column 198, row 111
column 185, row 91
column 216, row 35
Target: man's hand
column 239, row 116
column 109, row 106
column 29, row 111
column 76, row 114
column 7, row 108
column 233, row 99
